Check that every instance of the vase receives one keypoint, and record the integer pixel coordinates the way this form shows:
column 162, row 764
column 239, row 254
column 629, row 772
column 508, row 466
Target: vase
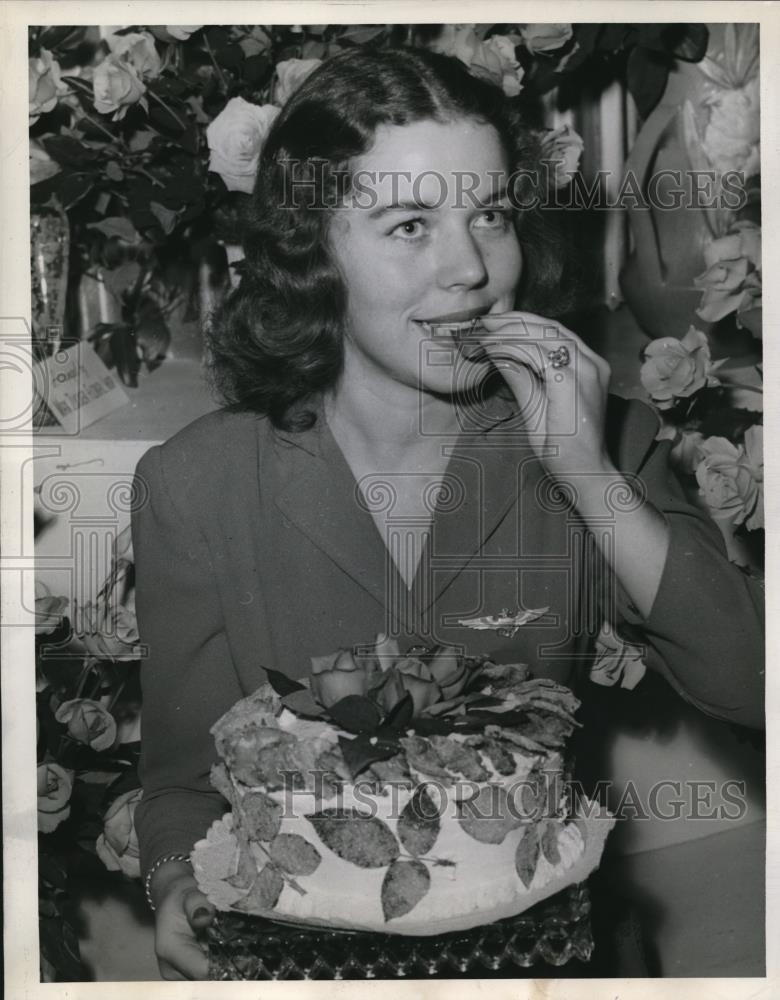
column 49, row 254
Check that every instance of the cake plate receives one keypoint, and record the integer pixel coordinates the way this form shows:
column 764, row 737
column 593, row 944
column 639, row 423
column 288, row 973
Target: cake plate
column 553, row 932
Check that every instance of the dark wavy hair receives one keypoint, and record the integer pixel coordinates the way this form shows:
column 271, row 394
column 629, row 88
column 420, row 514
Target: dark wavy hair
column 277, row 339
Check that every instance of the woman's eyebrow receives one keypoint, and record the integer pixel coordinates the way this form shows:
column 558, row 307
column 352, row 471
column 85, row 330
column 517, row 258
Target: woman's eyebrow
column 467, row 199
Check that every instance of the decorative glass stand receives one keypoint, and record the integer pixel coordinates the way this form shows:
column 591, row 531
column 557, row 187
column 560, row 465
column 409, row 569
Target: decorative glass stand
column 554, row 932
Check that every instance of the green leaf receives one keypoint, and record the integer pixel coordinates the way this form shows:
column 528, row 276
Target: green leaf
column 359, row 838
column 264, row 894
column 262, row 816
column 302, row 703
column 281, row 683
column 418, row 824
column 404, row 885
column 487, row 817
column 295, row 854
column 68, row 151
column 401, row 714
column 164, row 216
column 550, row 842
column 117, row 225
column 360, row 753
column 356, row 714
column 527, row 856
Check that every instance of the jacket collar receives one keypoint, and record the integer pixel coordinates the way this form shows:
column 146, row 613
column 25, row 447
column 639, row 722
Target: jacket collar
column 315, row 489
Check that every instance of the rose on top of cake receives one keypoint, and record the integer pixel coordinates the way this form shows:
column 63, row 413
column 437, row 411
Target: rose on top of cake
column 403, row 761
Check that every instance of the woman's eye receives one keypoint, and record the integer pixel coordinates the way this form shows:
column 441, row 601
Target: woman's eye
column 410, row 229
column 493, row 218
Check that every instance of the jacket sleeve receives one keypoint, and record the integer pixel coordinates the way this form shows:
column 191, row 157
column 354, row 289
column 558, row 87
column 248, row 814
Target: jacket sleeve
column 705, row 631
column 187, row 676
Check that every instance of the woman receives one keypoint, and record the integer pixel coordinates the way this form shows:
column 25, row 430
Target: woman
column 372, row 474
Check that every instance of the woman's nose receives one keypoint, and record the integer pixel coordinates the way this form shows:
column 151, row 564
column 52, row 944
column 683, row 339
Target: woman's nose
column 461, row 262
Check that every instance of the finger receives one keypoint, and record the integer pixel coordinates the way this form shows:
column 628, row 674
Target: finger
column 200, row 912
column 189, row 961
column 534, row 325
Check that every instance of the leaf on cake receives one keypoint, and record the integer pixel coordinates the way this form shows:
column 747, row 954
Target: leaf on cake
column 527, row 855
column 423, row 757
column 459, row 758
column 357, row 837
column 487, row 816
column 294, row 854
column 220, row 779
column 404, row 885
column 262, row 816
column 264, row 894
column 418, row 824
column 364, row 750
column 302, row 703
column 281, row 683
column 549, row 839
column 355, row 713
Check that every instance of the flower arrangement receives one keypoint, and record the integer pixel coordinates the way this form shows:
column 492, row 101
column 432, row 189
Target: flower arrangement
column 88, row 718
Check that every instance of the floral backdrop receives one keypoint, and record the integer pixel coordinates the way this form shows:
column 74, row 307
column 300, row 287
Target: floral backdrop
column 144, row 141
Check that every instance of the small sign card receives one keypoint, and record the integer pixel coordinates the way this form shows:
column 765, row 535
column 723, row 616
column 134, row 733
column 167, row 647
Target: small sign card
column 79, row 388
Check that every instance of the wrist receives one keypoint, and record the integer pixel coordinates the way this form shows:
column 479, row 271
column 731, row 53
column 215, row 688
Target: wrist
column 168, row 873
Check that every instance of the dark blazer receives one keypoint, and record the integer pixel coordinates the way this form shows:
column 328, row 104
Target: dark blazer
column 255, row 548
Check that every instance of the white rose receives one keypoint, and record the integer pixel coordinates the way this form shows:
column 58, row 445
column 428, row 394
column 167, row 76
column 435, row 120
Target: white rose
column 290, row 75
column 138, row 49
column 181, row 32
column 55, row 785
column 235, row 138
column 545, row 37
column 116, row 86
column 45, row 84
column 117, row 845
column 732, row 135
column 493, row 60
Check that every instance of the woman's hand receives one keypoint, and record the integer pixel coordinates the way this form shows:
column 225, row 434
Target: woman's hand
column 181, row 911
column 563, row 407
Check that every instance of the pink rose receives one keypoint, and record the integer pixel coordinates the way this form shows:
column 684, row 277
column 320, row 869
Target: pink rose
column 117, row 845
column 336, row 676
column 417, row 679
column 88, row 722
column 676, row 369
column 448, row 668
column 45, row 84
column 138, row 49
column 55, row 785
column 545, row 37
column 236, row 138
column 731, row 478
column 116, row 86
column 562, row 147
column 732, row 281
column 290, row 74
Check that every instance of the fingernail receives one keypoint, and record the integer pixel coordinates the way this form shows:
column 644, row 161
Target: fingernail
column 201, row 913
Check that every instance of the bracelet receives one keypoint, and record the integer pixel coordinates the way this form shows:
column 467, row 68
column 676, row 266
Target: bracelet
column 158, row 864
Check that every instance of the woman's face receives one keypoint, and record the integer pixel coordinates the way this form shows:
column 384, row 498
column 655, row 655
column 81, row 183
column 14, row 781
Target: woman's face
column 426, row 235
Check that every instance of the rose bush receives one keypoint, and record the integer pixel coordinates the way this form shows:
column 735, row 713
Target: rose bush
column 55, row 785
column 731, row 478
column 88, row 722
column 116, row 86
column 235, row 139
column 675, row 369
column 117, row 845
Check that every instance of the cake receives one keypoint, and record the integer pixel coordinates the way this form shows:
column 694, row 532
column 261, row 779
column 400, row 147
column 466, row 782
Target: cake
column 414, row 794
